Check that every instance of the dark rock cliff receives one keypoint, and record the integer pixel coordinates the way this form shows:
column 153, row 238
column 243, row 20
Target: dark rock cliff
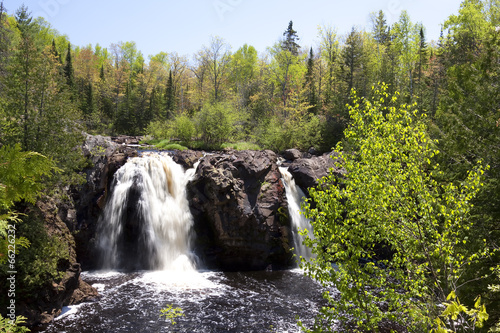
column 240, row 211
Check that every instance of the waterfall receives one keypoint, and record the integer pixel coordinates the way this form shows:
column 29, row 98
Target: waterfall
column 146, row 222
column 295, row 197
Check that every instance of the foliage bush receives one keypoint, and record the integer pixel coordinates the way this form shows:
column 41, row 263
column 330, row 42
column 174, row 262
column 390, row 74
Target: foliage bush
column 279, row 134
column 39, row 264
column 241, row 146
column 215, row 123
column 167, row 145
column 7, row 326
column 397, row 237
column 158, row 129
column 183, row 128
column 21, row 175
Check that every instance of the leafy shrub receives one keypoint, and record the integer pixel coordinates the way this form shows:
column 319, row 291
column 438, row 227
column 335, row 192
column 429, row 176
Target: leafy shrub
column 279, row 134
column 6, row 325
column 214, row 123
column 158, row 129
column 183, row 128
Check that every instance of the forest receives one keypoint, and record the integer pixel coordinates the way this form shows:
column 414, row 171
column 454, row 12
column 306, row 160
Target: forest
column 52, row 92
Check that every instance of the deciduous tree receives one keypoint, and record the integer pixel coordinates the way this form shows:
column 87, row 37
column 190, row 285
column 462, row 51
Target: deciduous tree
column 387, row 234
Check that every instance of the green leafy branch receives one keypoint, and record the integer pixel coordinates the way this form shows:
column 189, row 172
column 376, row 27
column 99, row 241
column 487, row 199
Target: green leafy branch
column 170, row 313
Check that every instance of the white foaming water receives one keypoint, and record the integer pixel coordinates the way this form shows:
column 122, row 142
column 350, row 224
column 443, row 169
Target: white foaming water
column 295, row 197
column 149, row 201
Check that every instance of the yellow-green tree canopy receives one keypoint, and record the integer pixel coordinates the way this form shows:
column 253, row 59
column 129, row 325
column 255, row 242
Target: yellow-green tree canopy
column 388, row 236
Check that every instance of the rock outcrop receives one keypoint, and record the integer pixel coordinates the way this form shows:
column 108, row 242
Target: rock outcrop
column 292, row 154
column 239, row 206
column 127, row 140
column 187, row 158
column 237, row 199
column 70, row 288
column 106, row 157
column 307, row 171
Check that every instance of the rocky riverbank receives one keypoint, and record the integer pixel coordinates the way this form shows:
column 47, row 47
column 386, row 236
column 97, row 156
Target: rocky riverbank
column 237, row 199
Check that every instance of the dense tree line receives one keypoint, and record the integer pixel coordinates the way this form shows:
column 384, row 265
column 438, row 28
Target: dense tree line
column 116, row 90
column 288, row 96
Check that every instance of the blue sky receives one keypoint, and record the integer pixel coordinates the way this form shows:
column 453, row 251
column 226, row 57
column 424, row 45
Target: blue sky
column 184, row 26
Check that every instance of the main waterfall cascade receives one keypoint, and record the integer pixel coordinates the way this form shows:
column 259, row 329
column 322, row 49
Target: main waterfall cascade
column 146, row 222
column 145, row 230
column 295, row 197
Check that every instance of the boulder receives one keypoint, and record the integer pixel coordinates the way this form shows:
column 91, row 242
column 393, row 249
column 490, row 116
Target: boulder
column 50, row 301
column 127, row 140
column 239, row 207
column 186, row 158
column 307, row 171
column 292, row 154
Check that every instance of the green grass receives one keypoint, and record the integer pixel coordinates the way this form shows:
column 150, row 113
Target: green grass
column 165, row 144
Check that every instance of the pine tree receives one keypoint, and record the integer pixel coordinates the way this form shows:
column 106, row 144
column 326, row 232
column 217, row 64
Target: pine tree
column 310, row 84
column 352, row 54
column 54, row 49
column 101, row 74
column 422, row 64
column 380, row 29
column 4, row 46
column 68, row 69
column 23, row 64
column 290, row 41
column 169, row 97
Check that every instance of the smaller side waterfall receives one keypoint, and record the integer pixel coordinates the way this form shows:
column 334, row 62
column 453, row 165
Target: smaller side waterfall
column 146, row 222
column 295, row 197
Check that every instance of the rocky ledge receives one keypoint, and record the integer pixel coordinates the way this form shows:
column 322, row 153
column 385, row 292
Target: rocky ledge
column 106, row 157
column 239, row 206
column 237, row 199
column 307, row 169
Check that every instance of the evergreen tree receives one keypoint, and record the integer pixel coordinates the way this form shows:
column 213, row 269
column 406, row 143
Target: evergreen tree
column 421, row 86
column 169, row 97
column 310, row 84
column 101, row 73
column 290, row 41
column 155, row 106
column 23, row 66
column 54, row 49
column 68, row 69
column 380, row 29
column 4, row 46
column 352, row 55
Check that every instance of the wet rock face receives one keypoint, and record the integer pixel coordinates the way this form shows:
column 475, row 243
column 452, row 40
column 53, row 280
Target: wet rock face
column 307, row 171
column 106, row 157
column 240, row 212
column 187, row 158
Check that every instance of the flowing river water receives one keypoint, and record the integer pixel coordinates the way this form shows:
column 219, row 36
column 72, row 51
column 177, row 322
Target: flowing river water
column 164, row 271
column 211, row 302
